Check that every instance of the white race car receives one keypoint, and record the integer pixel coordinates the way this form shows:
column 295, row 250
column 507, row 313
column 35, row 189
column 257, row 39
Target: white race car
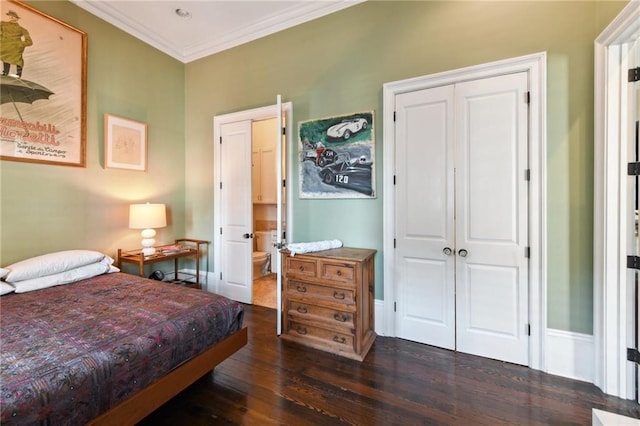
column 347, row 128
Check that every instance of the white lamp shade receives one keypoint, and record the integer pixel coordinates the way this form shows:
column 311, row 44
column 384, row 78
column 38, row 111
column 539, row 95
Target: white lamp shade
column 144, row 216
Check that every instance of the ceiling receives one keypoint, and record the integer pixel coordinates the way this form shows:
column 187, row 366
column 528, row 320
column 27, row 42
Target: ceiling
column 212, row 26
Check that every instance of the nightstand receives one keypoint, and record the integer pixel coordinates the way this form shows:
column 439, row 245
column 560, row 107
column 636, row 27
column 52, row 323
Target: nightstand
column 182, row 248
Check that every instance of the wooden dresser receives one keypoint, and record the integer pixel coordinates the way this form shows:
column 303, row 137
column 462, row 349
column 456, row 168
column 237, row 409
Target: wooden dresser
column 328, row 300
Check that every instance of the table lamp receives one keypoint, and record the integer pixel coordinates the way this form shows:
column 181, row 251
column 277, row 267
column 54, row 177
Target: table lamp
column 146, row 217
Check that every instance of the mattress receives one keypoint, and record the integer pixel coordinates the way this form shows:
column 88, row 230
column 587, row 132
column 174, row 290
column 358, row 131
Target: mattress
column 71, row 352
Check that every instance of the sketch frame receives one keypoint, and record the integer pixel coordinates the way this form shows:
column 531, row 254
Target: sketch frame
column 125, row 143
column 337, row 157
column 52, row 128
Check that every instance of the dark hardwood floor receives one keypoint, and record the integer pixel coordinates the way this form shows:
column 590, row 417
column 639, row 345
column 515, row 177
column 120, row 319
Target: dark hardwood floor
column 271, row 381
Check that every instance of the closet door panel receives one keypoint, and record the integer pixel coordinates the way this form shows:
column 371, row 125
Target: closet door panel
column 424, row 223
column 491, row 218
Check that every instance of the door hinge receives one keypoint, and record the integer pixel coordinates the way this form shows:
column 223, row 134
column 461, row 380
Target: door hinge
column 394, row 116
column 394, row 179
column 284, row 235
column 220, row 276
column 527, row 98
column 527, row 252
column 284, row 131
column 284, row 183
column 528, row 329
column 394, row 306
column 633, row 355
column 527, row 175
column 394, row 243
column 633, row 169
column 634, row 74
column 220, row 185
column 220, row 140
column 221, row 230
column 633, row 262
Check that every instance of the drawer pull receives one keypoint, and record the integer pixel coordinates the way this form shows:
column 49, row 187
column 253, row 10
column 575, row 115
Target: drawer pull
column 301, row 289
column 339, row 273
column 339, row 339
column 302, row 309
column 303, row 330
column 340, row 317
column 337, row 295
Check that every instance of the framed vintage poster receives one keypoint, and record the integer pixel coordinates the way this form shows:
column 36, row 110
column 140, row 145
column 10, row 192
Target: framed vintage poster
column 125, row 143
column 42, row 88
column 337, row 157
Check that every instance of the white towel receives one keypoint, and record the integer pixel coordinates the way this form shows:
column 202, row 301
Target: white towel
column 295, row 248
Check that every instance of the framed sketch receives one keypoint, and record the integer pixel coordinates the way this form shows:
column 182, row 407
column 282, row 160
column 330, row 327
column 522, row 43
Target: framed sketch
column 337, row 157
column 125, row 143
column 43, row 88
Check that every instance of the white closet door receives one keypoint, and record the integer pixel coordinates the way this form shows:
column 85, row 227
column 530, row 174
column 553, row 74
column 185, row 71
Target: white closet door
column 424, row 217
column 462, row 217
column 492, row 218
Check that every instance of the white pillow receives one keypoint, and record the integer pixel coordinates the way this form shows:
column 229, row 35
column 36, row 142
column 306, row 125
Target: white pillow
column 3, row 272
column 53, row 263
column 66, row 277
column 6, row 288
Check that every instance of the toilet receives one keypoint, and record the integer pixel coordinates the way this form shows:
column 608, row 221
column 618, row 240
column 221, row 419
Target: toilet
column 264, row 251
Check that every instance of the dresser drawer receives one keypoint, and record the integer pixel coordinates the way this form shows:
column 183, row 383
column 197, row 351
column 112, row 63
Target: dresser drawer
column 332, row 317
column 303, row 290
column 301, row 267
column 303, row 330
column 343, row 273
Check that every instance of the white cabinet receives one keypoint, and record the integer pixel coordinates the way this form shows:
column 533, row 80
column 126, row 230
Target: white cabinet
column 263, row 157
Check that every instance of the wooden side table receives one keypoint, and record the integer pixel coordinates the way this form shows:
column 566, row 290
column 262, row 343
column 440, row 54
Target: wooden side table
column 187, row 248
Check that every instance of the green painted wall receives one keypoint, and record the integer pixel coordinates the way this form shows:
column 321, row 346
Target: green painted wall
column 46, row 208
column 338, row 64
column 333, row 65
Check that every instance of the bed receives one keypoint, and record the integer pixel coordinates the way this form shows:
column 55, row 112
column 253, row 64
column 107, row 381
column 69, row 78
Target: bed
column 108, row 349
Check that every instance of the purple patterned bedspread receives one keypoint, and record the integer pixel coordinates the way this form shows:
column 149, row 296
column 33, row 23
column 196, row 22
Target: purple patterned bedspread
column 71, row 352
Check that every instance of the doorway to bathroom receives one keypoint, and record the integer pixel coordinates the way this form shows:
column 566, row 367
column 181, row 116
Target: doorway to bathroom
column 264, row 199
column 234, row 241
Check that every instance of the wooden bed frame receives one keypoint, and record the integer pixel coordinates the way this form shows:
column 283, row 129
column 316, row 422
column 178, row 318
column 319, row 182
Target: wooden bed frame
column 138, row 406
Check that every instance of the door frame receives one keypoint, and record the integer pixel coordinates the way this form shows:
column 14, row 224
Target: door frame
column 535, row 65
column 611, row 330
column 256, row 114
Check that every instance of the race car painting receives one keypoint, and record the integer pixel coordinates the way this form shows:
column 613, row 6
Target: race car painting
column 350, row 174
column 346, row 128
column 337, row 156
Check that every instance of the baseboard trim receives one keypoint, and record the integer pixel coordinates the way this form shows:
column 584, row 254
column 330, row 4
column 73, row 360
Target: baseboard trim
column 378, row 316
column 570, row 354
column 604, row 418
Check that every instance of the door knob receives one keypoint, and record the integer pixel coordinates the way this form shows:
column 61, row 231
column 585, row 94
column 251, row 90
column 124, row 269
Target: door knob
column 462, row 253
column 447, row 251
column 247, row 235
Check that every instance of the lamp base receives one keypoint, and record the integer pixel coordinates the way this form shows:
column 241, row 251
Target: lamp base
column 148, row 242
column 149, row 251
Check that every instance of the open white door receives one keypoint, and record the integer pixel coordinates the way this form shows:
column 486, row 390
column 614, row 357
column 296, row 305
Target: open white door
column 280, row 206
column 233, row 208
column 236, row 227
column 632, row 211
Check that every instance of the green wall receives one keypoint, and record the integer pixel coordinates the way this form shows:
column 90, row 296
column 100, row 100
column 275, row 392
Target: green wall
column 338, row 64
column 46, row 208
column 333, row 65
